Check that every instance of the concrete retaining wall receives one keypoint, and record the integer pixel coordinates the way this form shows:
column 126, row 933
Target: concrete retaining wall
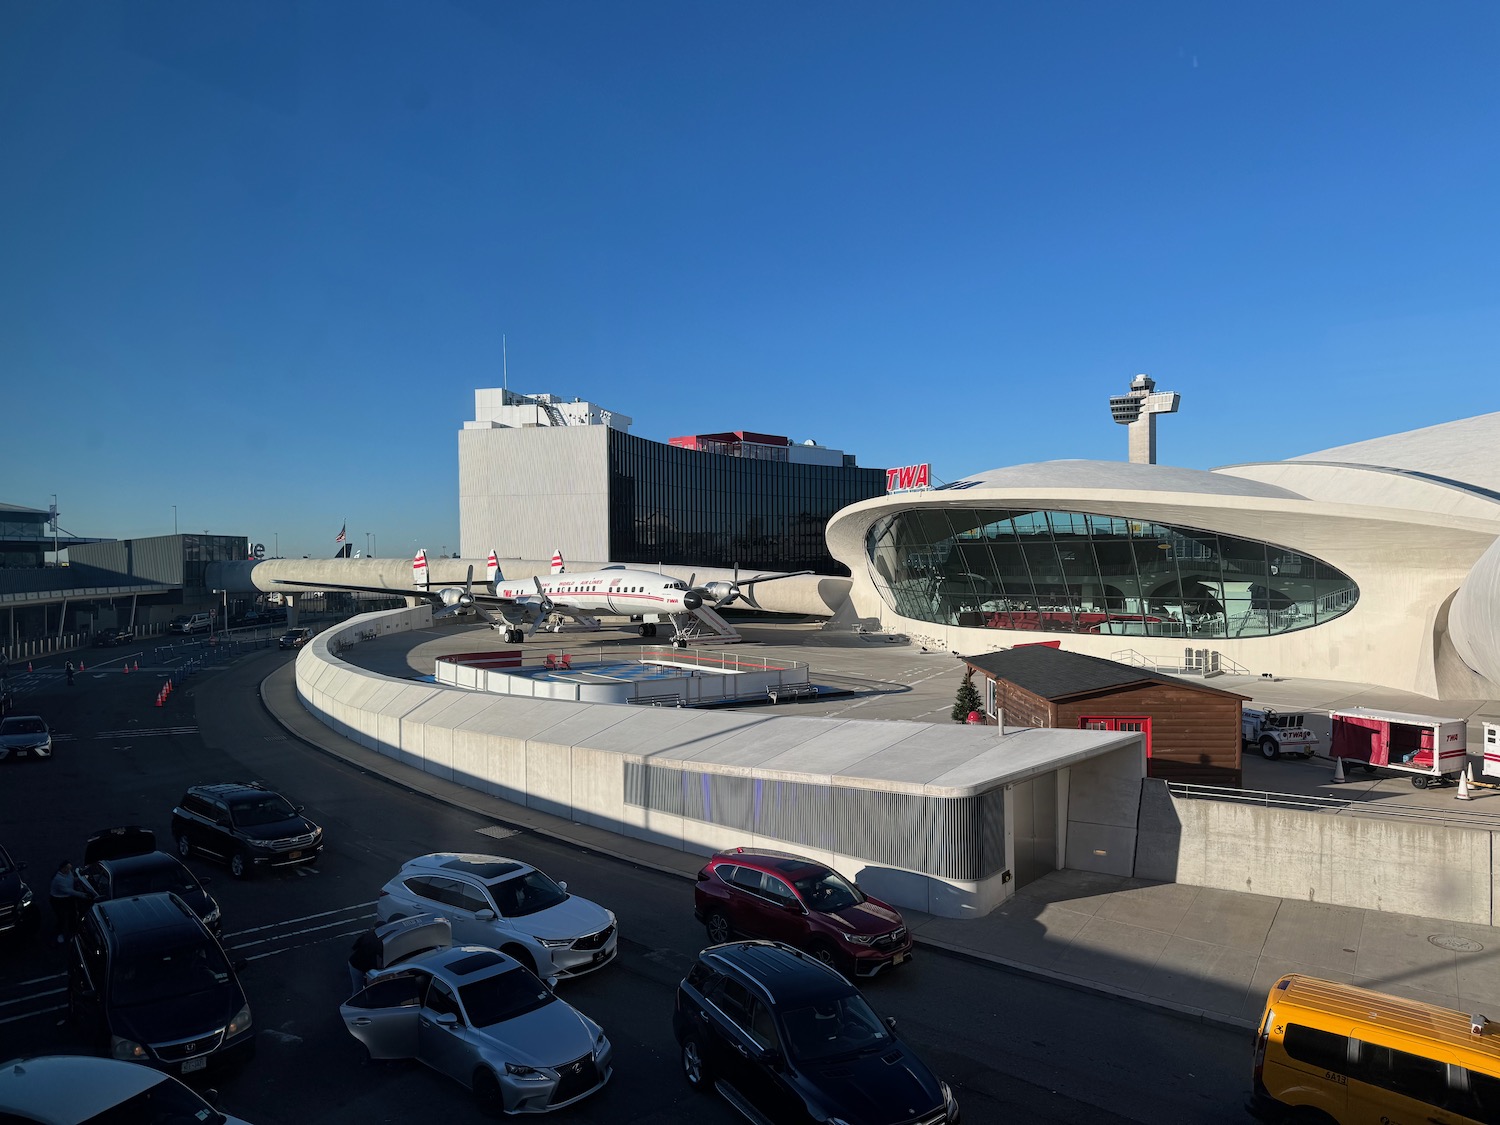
column 1374, row 863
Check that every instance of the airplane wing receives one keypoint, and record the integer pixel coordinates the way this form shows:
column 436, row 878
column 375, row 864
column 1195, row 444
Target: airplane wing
column 433, row 595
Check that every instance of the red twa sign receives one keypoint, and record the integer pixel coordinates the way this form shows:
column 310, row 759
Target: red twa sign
column 908, row 478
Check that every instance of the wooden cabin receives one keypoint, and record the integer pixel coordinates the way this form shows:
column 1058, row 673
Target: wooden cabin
column 1192, row 731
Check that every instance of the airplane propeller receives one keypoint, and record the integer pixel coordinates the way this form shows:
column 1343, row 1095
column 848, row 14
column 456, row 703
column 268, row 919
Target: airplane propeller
column 721, row 594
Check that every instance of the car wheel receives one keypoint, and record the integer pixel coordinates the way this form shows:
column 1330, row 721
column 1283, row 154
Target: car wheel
column 524, row 958
column 487, row 1092
column 695, row 1064
column 825, row 954
column 240, row 865
column 184, row 846
column 1421, row 782
column 718, row 928
column 1270, row 750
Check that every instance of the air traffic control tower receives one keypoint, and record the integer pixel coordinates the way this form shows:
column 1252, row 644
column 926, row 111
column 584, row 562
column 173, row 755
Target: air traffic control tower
column 1138, row 410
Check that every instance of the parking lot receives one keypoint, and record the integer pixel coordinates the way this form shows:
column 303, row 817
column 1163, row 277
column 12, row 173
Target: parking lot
column 1012, row 1047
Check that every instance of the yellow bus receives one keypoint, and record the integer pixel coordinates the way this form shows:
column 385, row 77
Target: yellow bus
column 1328, row 1052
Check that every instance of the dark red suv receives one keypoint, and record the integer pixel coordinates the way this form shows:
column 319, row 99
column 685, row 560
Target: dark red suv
column 801, row 902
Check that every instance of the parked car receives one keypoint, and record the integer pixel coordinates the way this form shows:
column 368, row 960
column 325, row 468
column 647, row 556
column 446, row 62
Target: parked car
column 245, row 825
column 121, row 862
column 18, row 908
column 146, row 978
column 506, row 905
column 83, row 1090
column 191, row 623
column 24, row 736
column 486, row 1021
column 806, row 904
column 294, row 638
column 784, row 1038
column 114, row 635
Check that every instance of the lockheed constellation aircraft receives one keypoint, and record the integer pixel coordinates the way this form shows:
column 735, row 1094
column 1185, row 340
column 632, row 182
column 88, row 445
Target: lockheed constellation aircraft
column 518, row 609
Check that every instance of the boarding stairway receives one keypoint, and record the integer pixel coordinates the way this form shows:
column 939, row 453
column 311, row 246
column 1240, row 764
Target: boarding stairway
column 702, row 626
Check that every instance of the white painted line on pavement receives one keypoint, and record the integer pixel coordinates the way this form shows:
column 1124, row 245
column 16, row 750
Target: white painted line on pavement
column 303, row 918
column 33, row 996
column 293, row 933
column 33, row 1015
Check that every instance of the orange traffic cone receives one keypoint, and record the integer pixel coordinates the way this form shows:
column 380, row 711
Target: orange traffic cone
column 137, row 666
column 126, row 667
column 28, row 666
column 80, row 664
column 161, row 695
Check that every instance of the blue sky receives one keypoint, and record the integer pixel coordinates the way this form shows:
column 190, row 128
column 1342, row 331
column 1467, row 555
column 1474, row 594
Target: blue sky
column 255, row 258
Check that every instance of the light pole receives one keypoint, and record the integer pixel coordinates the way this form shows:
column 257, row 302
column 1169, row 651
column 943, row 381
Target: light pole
column 174, row 519
column 367, row 544
column 375, row 544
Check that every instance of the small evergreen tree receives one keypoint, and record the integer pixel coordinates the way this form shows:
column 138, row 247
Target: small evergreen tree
column 967, row 699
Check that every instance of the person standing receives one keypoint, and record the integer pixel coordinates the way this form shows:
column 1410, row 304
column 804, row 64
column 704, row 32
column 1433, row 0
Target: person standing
column 68, row 896
column 69, row 670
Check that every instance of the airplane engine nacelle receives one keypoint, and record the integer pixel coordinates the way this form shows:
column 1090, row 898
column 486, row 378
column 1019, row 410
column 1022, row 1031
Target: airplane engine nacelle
column 451, row 597
column 721, row 593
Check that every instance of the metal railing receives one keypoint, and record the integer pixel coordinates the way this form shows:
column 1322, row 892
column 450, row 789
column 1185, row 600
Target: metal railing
column 1334, row 805
column 1194, row 661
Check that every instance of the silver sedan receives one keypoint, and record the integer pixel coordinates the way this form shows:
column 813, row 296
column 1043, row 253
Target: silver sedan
column 487, row 1022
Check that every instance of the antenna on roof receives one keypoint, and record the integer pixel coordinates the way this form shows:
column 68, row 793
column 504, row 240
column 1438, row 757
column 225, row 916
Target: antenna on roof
column 504, row 368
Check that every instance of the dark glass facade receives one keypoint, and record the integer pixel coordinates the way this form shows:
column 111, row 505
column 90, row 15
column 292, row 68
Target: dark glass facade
column 1066, row 572
column 683, row 507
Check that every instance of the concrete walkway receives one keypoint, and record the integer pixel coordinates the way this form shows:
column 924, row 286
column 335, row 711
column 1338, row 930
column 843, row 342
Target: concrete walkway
column 1206, row 954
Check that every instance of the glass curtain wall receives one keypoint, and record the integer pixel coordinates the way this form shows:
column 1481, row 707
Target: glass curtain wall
column 685, row 507
column 1068, row 572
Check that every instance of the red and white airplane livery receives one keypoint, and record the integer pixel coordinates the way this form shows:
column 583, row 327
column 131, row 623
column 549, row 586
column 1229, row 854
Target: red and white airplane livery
column 519, row 608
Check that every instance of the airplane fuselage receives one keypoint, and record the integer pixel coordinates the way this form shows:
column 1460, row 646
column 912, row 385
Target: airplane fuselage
column 625, row 593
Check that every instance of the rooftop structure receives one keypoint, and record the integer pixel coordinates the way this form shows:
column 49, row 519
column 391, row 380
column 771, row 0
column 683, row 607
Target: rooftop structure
column 1138, row 409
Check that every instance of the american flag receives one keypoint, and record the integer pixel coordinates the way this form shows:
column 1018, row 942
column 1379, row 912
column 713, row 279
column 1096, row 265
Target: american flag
column 339, row 538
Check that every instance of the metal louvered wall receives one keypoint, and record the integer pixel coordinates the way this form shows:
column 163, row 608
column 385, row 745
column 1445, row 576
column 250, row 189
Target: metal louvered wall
column 949, row 837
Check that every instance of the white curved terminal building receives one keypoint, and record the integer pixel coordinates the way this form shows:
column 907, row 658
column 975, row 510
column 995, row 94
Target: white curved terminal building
column 1377, row 562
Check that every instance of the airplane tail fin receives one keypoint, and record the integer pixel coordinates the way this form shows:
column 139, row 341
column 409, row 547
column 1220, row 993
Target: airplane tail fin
column 492, row 570
column 419, row 569
column 557, row 563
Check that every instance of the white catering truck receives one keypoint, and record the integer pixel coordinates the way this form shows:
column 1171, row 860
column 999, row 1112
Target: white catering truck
column 1275, row 733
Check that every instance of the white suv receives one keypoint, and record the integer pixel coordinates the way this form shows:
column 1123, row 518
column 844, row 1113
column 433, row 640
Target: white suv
column 66, row 1089
column 507, row 905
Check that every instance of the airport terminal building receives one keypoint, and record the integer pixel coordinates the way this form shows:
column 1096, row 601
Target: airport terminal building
column 538, row 473
column 1377, row 562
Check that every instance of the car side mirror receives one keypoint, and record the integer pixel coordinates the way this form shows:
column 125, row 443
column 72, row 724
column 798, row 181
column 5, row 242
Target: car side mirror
column 447, row 1019
column 890, row 1022
column 205, row 880
column 485, row 915
column 551, row 983
column 771, row 1058
column 792, row 906
column 298, row 808
column 211, row 1096
column 562, row 886
column 239, row 964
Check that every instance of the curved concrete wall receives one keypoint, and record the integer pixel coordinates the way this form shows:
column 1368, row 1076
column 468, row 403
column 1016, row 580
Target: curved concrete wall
column 1474, row 619
column 570, row 760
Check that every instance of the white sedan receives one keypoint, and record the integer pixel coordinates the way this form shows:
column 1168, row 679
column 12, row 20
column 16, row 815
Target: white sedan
column 507, row 905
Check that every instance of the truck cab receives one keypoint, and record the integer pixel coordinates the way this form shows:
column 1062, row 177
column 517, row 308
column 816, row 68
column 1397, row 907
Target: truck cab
column 1275, row 733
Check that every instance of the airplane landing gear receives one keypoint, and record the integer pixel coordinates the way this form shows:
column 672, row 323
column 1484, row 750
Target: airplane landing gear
column 514, row 636
column 647, row 630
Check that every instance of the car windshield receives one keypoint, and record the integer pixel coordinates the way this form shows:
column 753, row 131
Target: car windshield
column 828, row 891
column 169, row 1102
column 526, row 894
column 169, row 974
column 23, row 726
column 830, row 1028
column 263, row 810
column 504, row 996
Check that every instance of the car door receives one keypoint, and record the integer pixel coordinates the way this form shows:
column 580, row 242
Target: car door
column 727, row 1023
column 762, row 908
column 745, row 915
column 457, row 903
column 213, row 830
column 768, row 1089
column 383, row 1015
column 444, row 1041
column 87, row 966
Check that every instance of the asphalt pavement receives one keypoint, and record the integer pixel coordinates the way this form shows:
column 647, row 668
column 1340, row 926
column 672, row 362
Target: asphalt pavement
column 1015, row 1048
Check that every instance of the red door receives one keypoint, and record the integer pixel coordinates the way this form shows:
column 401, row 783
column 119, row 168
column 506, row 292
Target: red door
column 1139, row 724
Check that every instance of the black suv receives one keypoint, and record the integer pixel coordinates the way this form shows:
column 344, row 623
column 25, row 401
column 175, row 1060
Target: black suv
column 246, row 826
column 123, row 862
column 785, row 1038
column 18, row 913
column 147, row 979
